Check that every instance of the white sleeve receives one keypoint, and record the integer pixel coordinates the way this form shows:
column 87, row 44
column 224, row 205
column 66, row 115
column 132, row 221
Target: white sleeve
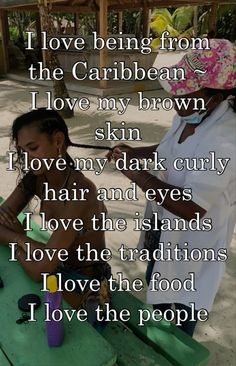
column 207, row 185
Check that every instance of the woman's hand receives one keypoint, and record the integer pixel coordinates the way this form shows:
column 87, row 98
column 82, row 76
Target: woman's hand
column 19, row 228
column 7, row 217
column 118, row 153
column 121, row 148
column 9, row 220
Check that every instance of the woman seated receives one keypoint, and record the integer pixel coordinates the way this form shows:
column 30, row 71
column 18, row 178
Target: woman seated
column 43, row 134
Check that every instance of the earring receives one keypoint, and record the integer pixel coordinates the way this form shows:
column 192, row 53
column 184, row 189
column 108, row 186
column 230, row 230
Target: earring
column 59, row 153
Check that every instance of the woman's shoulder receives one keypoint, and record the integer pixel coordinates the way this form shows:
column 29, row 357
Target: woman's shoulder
column 223, row 129
column 79, row 180
column 89, row 202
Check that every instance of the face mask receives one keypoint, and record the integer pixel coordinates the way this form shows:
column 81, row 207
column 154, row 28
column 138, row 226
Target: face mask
column 196, row 117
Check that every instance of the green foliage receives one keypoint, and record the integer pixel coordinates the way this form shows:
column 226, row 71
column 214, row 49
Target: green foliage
column 18, row 23
column 183, row 17
column 131, row 22
column 225, row 23
column 14, row 33
column 203, row 22
column 224, row 10
column 177, row 24
column 180, row 22
column 164, row 12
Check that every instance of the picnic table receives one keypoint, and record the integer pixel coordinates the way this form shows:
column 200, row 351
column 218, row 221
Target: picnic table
column 122, row 344
column 26, row 344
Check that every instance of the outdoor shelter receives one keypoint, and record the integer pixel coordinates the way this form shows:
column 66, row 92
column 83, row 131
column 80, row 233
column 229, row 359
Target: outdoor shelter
column 101, row 8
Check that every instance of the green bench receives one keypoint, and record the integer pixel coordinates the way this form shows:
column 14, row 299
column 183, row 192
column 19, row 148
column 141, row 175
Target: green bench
column 3, row 359
column 154, row 344
column 163, row 337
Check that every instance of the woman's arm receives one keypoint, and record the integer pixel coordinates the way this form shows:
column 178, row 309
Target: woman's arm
column 10, row 235
column 12, row 206
column 9, row 210
column 143, row 152
column 60, row 239
column 63, row 239
column 7, row 235
column 185, row 209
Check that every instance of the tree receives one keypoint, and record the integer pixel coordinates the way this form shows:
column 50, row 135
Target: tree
column 180, row 23
column 59, row 86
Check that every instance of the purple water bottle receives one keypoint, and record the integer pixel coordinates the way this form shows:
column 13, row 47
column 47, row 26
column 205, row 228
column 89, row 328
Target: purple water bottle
column 54, row 316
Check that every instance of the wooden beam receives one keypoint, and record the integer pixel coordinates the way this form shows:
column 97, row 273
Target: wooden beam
column 73, row 9
column 116, row 6
column 212, row 20
column 103, row 12
column 4, row 43
column 57, row 9
column 132, row 5
column 76, row 22
column 120, row 22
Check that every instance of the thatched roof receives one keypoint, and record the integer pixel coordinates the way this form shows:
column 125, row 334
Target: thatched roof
column 116, row 4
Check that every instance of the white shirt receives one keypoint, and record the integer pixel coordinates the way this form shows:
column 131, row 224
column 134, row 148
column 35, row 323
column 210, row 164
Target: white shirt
column 215, row 193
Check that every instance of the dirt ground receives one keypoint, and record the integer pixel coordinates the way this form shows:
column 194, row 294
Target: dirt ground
column 219, row 333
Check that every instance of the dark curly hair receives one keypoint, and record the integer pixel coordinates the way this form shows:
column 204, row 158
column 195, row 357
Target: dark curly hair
column 47, row 121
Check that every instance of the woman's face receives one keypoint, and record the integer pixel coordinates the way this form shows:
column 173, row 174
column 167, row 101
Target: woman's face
column 37, row 145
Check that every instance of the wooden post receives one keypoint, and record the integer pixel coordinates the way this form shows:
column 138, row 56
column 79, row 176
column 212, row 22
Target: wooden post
column 212, row 20
column 76, row 22
column 45, row 53
column 103, row 33
column 51, row 59
column 6, row 26
column 120, row 22
column 38, row 30
column 145, row 20
column 4, row 44
column 97, row 14
column 195, row 21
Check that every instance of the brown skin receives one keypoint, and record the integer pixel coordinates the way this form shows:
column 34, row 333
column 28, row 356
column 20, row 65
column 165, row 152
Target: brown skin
column 40, row 145
column 184, row 209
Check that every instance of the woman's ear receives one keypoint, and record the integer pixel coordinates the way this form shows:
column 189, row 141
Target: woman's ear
column 214, row 101
column 59, row 139
column 217, row 99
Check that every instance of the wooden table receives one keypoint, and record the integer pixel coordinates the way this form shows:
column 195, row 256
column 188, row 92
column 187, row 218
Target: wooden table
column 26, row 344
column 3, row 359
